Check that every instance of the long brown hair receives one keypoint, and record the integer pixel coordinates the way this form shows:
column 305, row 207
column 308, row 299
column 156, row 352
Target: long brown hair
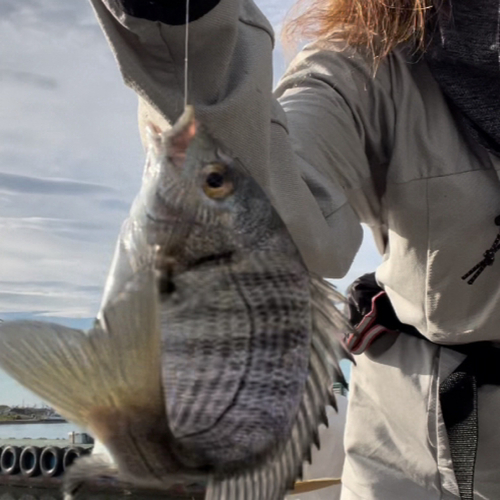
column 379, row 25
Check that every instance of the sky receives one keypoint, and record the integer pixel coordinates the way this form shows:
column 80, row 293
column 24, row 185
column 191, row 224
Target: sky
column 70, row 163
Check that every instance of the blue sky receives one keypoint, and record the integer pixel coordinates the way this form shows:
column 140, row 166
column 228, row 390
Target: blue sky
column 70, row 163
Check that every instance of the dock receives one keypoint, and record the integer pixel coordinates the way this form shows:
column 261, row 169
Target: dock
column 33, row 421
column 33, row 469
column 21, row 442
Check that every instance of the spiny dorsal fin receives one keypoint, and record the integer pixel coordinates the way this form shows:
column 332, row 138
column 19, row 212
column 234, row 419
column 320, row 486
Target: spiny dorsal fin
column 274, row 477
column 114, row 365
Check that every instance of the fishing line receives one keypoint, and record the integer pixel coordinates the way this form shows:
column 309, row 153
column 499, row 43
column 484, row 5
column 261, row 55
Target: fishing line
column 186, row 58
column 182, row 194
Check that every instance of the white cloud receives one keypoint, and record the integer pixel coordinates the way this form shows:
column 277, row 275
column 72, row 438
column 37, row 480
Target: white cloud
column 72, row 163
column 14, row 183
column 70, row 156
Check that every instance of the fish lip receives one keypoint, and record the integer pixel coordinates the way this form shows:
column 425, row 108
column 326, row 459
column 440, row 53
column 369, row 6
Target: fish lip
column 166, row 220
column 226, row 256
column 174, row 266
column 222, row 257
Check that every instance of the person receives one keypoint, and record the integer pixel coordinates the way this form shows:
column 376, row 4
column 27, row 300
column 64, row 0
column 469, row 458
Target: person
column 390, row 117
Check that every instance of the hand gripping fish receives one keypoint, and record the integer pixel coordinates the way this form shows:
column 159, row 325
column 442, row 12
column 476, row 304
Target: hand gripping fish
column 214, row 351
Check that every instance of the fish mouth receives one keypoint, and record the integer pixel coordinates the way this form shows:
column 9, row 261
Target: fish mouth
column 169, row 266
column 216, row 258
column 170, row 220
column 169, row 260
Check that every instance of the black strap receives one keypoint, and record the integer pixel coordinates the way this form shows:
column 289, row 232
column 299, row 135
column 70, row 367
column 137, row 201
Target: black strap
column 458, row 398
column 360, row 296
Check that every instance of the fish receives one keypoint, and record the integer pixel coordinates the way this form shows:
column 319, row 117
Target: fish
column 213, row 354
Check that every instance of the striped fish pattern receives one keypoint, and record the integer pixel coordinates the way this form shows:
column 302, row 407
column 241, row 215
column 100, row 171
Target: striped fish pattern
column 214, row 351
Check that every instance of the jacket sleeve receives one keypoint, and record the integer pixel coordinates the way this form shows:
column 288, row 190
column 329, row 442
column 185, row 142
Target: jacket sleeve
column 306, row 146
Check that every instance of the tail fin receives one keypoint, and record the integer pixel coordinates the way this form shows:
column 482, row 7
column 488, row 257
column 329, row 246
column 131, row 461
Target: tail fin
column 114, row 365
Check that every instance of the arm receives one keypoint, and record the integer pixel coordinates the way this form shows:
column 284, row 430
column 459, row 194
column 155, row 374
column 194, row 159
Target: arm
column 341, row 121
column 290, row 154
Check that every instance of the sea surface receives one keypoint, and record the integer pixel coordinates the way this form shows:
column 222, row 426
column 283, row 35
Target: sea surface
column 37, row 431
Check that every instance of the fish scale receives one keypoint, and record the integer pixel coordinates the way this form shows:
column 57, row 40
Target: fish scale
column 214, row 350
column 274, row 295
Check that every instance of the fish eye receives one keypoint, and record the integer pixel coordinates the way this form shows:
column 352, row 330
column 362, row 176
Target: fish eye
column 216, row 182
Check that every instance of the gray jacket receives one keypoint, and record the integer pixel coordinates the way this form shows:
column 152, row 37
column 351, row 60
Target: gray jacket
column 335, row 147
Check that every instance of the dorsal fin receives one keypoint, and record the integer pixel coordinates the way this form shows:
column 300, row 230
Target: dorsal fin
column 272, row 479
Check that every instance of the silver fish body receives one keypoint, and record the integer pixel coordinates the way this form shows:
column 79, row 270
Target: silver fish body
column 235, row 307
column 214, row 348
column 235, row 359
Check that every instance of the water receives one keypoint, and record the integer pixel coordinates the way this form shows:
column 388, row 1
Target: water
column 37, row 431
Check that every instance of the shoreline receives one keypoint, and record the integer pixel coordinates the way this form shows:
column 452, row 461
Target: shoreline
column 23, row 422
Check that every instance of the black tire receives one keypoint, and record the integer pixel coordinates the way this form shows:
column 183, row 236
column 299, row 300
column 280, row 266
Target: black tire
column 71, row 454
column 51, row 460
column 9, row 460
column 29, row 461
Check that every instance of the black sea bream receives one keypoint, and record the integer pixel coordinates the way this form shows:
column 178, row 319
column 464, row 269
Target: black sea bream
column 214, row 351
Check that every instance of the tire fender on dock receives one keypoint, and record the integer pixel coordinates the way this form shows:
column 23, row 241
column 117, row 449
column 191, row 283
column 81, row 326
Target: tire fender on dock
column 29, row 461
column 51, row 461
column 9, row 460
column 71, row 454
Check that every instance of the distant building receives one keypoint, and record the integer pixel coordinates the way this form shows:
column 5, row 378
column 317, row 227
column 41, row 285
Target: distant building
column 4, row 409
column 20, row 411
column 338, row 388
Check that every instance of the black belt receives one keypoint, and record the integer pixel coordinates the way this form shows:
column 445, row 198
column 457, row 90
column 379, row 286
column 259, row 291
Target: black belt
column 372, row 314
